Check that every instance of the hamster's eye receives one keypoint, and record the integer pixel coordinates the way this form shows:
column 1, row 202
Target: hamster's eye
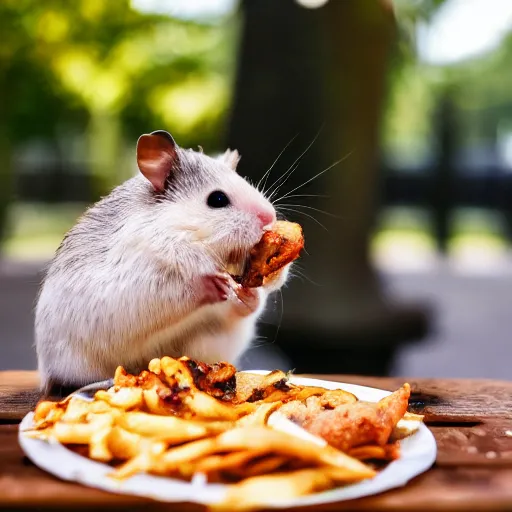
column 218, row 199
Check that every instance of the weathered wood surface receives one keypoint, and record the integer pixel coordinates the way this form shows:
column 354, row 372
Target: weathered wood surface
column 471, row 421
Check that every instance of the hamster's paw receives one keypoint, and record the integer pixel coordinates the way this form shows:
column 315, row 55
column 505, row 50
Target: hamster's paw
column 215, row 288
column 222, row 287
column 248, row 300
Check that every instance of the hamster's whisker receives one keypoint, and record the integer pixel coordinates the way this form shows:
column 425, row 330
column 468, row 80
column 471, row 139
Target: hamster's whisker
column 259, row 341
column 280, row 317
column 297, row 270
column 276, row 201
column 279, row 183
column 286, row 175
column 311, row 208
column 305, row 215
column 317, row 175
column 267, row 174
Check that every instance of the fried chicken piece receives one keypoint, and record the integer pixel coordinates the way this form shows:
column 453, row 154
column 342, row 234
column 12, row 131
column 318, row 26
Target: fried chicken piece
column 350, row 425
column 298, row 411
column 277, row 248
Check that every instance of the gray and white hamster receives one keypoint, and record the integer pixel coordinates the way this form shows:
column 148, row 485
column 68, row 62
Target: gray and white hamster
column 144, row 272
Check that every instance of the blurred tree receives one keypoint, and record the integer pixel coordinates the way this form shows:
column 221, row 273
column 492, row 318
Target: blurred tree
column 110, row 72
column 307, row 68
column 101, row 51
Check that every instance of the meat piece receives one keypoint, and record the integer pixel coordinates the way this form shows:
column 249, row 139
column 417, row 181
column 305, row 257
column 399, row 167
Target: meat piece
column 277, row 248
column 350, row 425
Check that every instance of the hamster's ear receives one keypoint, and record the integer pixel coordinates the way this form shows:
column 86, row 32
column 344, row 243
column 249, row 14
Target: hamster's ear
column 156, row 157
column 231, row 158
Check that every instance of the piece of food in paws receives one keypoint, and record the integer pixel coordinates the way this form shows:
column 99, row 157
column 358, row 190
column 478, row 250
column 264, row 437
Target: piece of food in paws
column 278, row 247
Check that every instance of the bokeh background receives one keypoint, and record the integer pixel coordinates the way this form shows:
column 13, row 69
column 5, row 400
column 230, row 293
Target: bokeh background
column 400, row 110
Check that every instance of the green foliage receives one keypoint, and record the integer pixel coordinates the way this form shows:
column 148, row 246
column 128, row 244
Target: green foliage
column 63, row 62
column 479, row 87
column 102, row 73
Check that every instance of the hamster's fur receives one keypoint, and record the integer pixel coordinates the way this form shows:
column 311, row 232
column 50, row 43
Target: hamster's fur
column 132, row 280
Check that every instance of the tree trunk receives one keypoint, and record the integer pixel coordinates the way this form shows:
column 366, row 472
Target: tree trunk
column 300, row 69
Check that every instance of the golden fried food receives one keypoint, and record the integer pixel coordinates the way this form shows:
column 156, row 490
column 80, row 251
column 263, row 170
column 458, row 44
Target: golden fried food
column 277, row 248
column 183, row 417
column 261, row 490
column 374, row 452
column 349, row 425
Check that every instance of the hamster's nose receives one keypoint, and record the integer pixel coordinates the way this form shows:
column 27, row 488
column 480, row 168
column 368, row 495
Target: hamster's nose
column 266, row 217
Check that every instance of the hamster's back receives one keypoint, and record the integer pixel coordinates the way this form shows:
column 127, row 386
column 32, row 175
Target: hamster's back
column 82, row 278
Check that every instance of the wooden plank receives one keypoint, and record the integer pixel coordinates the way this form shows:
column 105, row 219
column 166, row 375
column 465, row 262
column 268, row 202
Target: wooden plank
column 486, row 444
column 18, row 394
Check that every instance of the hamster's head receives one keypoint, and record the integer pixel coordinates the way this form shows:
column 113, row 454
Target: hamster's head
column 203, row 200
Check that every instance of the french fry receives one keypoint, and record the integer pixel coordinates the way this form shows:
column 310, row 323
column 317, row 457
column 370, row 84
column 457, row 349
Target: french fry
column 45, row 409
column 122, row 379
column 154, row 366
column 171, row 429
column 155, row 461
column 175, row 371
column 260, row 438
column 368, row 452
column 124, row 398
column 73, row 433
column 42, row 433
column 83, row 433
column 126, row 445
column 123, row 444
column 260, row 415
column 98, row 446
column 147, row 460
column 191, row 451
column 374, row 452
column 78, row 409
column 205, row 406
column 265, row 465
column 154, row 404
column 258, row 491
column 216, row 463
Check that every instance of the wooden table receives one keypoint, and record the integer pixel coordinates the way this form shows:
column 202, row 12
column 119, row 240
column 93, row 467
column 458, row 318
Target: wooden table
column 471, row 420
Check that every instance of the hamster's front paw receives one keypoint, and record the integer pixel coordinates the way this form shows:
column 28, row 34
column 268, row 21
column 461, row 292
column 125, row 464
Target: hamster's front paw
column 222, row 287
column 248, row 300
column 215, row 288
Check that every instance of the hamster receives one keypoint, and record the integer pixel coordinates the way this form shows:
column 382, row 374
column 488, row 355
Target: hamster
column 144, row 272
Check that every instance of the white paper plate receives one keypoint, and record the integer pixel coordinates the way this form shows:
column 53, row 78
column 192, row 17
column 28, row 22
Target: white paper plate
column 418, row 453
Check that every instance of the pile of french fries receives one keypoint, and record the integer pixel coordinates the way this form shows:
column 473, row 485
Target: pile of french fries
column 161, row 422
